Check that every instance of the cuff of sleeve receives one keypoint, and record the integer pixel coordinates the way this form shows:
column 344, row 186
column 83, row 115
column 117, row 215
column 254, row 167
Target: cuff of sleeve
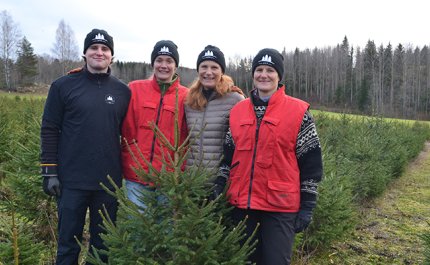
column 48, row 170
column 308, row 205
column 305, row 196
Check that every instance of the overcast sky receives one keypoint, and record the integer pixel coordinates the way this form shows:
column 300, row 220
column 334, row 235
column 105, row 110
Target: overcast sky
column 240, row 28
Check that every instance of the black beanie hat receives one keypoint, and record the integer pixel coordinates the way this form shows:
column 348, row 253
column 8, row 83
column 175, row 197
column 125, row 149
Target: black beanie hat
column 270, row 57
column 165, row 47
column 212, row 53
column 98, row 36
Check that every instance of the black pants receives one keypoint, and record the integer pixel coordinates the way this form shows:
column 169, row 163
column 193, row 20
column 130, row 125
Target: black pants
column 72, row 208
column 275, row 235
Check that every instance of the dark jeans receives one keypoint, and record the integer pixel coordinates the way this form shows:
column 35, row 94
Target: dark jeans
column 275, row 235
column 72, row 208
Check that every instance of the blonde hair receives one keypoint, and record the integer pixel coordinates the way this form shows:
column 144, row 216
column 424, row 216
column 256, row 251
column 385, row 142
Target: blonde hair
column 195, row 98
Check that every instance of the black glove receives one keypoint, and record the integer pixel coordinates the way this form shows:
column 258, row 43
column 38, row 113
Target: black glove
column 217, row 188
column 51, row 183
column 304, row 216
column 51, row 186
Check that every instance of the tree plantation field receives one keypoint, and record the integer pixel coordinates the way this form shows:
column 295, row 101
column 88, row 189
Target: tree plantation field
column 393, row 228
column 370, row 165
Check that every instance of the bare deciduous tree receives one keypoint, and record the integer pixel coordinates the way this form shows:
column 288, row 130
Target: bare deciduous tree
column 65, row 48
column 9, row 37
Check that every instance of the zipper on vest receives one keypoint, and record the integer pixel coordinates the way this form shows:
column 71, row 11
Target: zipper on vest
column 200, row 159
column 156, row 123
column 257, row 130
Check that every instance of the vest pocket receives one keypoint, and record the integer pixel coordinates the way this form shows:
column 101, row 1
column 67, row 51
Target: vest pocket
column 147, row 116
column 234, row 190
column 282, row 194
column 169, row 110
column 244, row 143
column 167, row 122
column 266, row 143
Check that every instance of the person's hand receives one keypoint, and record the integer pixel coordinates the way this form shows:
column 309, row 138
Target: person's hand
column 304, row 216
column 217, row 188
column 303, row 219
column 215, row 192
column 51, row 183
column 52, row 186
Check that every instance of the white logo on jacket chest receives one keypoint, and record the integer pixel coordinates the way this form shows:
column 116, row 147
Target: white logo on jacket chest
column 109, row 99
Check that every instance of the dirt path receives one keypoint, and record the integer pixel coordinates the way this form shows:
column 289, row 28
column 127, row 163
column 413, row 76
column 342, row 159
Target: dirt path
column 390, row 227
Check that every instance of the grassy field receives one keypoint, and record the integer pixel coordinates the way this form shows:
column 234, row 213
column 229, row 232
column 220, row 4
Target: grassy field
column 356, row 116
column 22, row 95
column 391, row 225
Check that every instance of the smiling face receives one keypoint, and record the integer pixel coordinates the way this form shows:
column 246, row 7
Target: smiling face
column 98, row 58
column 210, row 74
column 266, row 80
column 164, row 68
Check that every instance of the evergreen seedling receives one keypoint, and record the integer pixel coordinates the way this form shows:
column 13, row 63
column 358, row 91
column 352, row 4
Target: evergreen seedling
column 179, row 226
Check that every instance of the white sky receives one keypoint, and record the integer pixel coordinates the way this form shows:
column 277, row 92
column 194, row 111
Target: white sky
column 240, row 28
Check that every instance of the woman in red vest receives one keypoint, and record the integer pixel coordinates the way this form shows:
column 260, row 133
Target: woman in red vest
column 153, row 102
column 272, row 161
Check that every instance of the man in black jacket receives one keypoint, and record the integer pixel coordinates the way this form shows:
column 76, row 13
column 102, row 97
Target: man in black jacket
column 80, row 144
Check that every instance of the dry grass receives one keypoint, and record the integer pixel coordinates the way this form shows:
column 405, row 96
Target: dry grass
column 391, row 225
column 358, row 117
column 39, row 91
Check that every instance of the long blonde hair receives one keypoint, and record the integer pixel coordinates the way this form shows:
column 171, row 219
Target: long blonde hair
column 195, row 98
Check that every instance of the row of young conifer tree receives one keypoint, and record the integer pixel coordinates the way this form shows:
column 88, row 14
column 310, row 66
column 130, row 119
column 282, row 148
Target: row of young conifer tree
column 361, row 155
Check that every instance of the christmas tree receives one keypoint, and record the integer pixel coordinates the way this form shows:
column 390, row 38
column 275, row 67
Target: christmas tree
column 179, row 225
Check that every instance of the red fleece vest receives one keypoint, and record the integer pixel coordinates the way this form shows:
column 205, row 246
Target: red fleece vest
column 147, row 107
column 267, row 176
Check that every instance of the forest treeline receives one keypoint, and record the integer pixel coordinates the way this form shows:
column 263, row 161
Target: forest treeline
column 389, row 81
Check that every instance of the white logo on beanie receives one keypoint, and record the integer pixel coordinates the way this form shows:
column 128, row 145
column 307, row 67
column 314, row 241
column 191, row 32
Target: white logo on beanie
column 99, row 37
column 209, row 53
column 164, row 49
column 266, row 58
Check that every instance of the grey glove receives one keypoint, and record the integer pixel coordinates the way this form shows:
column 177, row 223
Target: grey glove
column 51, row 183
column 52, row 186
column 304, row 217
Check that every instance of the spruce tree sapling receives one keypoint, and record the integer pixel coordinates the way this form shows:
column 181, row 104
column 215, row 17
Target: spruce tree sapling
column 179, row 225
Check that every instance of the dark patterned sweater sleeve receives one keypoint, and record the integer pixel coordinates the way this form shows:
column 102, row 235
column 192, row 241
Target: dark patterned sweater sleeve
column 228, row 151
column 309, row 155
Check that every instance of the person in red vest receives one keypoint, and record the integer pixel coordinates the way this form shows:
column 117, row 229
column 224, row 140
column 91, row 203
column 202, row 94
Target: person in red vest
column 152, row 102
column 272, row 162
